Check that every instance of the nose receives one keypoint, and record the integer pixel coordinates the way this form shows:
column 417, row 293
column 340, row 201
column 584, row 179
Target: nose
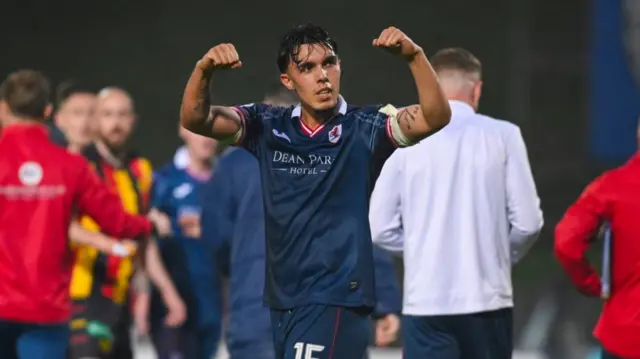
column 322, row 75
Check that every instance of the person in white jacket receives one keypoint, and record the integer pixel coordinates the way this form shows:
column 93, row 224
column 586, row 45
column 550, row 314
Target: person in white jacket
column 462, row 207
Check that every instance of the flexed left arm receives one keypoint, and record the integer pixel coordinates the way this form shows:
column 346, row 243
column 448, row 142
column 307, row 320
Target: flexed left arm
column 413, row 123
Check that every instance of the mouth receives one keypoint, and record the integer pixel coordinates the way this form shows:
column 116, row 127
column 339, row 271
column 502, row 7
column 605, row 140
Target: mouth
column 325, row 91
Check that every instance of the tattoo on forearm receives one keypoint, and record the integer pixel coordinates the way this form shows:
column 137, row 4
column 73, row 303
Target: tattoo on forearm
column 408, row 116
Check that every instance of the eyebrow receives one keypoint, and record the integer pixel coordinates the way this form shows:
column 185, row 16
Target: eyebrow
column 330, row 58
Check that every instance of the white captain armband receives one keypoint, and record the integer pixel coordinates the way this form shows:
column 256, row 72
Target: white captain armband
column 393, row 127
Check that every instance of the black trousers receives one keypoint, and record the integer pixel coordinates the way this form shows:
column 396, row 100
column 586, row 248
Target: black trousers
column 485, row 335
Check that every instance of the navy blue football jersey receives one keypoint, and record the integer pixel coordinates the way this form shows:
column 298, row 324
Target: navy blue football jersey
column 316, row 188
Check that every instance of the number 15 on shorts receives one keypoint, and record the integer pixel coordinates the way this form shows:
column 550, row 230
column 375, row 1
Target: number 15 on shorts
column 308, row 350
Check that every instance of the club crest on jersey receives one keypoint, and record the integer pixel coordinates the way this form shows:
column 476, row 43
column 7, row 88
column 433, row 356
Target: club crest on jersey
column 30, row 173
column 335, row 133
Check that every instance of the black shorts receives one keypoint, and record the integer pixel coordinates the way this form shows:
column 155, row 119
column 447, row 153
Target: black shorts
column 99, row 329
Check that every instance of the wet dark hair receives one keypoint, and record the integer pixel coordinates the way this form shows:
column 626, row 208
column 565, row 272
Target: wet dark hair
column 310, row 34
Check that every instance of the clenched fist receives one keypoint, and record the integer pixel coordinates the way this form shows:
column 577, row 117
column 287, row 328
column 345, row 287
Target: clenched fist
column 397, row 42
column 223, row 56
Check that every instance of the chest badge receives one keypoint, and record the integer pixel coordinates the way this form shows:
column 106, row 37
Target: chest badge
column 335, row 133
column 182, row 191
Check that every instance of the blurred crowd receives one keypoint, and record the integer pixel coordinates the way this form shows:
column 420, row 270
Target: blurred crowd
column 202, row 278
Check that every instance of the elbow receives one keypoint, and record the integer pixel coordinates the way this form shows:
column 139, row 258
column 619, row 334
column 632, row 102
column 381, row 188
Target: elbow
column 436, row 118
column 532, row 225
column 562, row 247
column 189, row 120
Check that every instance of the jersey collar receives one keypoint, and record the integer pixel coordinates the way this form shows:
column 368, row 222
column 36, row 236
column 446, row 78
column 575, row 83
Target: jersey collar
column 342, row 109
column 460, row 107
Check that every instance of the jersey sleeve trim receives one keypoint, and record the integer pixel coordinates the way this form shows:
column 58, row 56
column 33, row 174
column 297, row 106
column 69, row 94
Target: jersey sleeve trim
column 394, row 132
column 238, row 138
column 389, row 133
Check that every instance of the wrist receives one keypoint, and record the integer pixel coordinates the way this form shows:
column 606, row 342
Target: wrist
column 416, row 56
column 202, row 67
column 118, row 249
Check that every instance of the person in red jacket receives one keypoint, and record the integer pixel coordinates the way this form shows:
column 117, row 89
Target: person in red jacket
column 612, row 197
column 41, row 186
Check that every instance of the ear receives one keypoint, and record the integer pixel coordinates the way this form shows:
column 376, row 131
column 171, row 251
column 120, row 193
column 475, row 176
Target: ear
column 286, row 81
column 48, row 111
column 477, row 91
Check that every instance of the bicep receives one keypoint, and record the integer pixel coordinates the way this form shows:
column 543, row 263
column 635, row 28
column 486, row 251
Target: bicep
column 225, row 123
column 407, row 126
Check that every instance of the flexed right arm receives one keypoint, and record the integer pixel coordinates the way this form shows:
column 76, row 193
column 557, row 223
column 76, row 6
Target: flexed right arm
column 196, row 113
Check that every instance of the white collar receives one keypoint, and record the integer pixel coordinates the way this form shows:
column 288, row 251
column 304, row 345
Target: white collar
column 461, row 107
column 342, row 108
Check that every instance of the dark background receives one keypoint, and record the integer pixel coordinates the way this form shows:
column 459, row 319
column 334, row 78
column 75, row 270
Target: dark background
column 534, row 54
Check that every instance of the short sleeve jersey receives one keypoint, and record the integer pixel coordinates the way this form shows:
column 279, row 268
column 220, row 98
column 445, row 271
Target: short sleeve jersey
column 316, row 188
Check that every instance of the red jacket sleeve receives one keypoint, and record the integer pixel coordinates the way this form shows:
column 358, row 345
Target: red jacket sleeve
column 94, row 199
column 574, row 233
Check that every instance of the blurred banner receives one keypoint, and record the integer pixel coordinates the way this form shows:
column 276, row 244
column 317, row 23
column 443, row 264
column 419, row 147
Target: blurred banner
column 614, row 99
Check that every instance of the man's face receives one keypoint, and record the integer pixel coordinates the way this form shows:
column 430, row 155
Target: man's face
column 315, row 77
column 200, row 148
column 75, row 118
column 115, row 119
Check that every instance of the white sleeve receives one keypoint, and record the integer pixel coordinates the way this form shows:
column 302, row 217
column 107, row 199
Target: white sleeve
column 523, row 203
column 385, row 216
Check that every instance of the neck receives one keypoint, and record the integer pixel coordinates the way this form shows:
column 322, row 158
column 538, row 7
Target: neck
column 462, row 98
column 200, row 169
column 75, row 148
column 115, row 157
column 13, row 120
column 313, row 119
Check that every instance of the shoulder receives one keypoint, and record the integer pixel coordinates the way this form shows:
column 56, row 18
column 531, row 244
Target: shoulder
column 371, row 114
column 142, row 163
column 165, row 171
column 605, row 184
column 501, row 125
column 509, row 132
column 266, row 112
column 73, row 161
column 56, row 136
column 233, row 158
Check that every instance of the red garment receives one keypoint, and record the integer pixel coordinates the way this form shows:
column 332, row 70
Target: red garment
column 614, row 196
column 41, row 185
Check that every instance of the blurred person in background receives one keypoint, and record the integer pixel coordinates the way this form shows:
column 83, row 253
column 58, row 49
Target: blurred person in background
column 41, row 185
column 188, row 258
column 100, row 281
column 233, row 218
column 462, row 207
column 73, row 128
column 74, row 115
column 613, row 197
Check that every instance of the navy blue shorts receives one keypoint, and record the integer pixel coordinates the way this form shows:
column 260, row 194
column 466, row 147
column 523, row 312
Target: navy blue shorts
column 321, row 332
column 31, row 341
column 486, row 335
